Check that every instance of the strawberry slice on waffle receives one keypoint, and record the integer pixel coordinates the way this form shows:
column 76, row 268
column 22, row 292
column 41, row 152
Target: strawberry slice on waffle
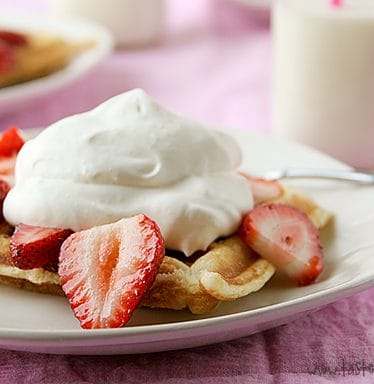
column 11, row 142
column 262, row 189
column 287, row 238
column 13, row 39
column 6, row 57
column 37, row 247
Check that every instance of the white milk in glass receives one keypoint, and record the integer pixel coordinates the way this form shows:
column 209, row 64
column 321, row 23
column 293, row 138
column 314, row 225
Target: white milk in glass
column 324, row 76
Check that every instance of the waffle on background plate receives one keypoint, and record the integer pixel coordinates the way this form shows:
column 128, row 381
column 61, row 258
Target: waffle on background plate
column 27, row 56
column 227, row 271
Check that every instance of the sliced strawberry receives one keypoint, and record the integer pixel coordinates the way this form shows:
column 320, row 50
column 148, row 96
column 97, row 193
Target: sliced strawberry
column 14, row 39
column 7, row 165
column 4, row 189
column 11, row 141
column 106, row 270
column 6, row 58
column 7, row 178
column 37, row 247
column 263, row 190
column 287, row 238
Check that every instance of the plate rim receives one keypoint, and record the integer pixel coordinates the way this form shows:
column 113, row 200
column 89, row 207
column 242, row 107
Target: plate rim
column 331, row 295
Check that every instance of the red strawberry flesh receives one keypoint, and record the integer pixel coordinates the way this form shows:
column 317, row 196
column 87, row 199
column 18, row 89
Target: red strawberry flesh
column 37, row 247
column 286, row 237
column 6, row 58
column 7, row 166
column 11, row 141
column 4, row 189
column 13, row 39
column 106, row 270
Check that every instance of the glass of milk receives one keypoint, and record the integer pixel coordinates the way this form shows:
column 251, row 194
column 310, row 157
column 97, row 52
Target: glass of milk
column 324, row 76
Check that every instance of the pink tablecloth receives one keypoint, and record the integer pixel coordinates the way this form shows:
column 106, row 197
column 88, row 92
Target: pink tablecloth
column 214, row 66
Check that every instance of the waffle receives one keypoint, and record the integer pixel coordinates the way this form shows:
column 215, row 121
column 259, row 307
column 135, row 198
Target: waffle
column 43, row 55
column 227, row 271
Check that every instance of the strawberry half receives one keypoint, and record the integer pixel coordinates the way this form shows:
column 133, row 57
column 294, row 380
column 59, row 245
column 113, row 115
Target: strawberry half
column 287, row 238
column 13, row 39
column 37, row 247
column 106, row 270
column 11, row 141
column 4, row 189
column 263, row 190
column 7, row 166
column 6, row 58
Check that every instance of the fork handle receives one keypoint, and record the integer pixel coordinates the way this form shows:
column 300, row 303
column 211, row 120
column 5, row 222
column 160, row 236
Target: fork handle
column 342, row 175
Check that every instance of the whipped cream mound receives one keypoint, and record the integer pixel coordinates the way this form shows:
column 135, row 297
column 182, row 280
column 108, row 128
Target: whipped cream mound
column 130, row 156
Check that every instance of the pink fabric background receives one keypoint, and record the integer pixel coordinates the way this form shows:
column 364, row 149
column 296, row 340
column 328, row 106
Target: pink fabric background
column 214, row 66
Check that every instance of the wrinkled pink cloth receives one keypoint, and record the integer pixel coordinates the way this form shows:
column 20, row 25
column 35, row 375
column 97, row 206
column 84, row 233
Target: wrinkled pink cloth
column 340, row 336
column 214, row 66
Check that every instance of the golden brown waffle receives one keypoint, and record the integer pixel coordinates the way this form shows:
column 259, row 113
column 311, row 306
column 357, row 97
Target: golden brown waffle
column 291, row 196
column 42, row 56
column 227, row 271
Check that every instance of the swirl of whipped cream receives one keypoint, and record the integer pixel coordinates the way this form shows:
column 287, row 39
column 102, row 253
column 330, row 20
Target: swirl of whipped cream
column 130, row 156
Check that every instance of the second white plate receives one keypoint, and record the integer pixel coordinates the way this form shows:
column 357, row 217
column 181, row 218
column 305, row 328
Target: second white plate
column 72, row 29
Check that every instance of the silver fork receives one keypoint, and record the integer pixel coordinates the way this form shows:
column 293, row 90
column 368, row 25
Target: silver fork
column 331, row 174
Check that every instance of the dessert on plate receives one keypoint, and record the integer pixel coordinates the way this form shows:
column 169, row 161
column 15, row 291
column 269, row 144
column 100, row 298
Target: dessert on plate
column 28, row 56
column 130, row 204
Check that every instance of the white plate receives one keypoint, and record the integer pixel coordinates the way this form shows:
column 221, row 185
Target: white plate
column 42, row 323
column 73, row 29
